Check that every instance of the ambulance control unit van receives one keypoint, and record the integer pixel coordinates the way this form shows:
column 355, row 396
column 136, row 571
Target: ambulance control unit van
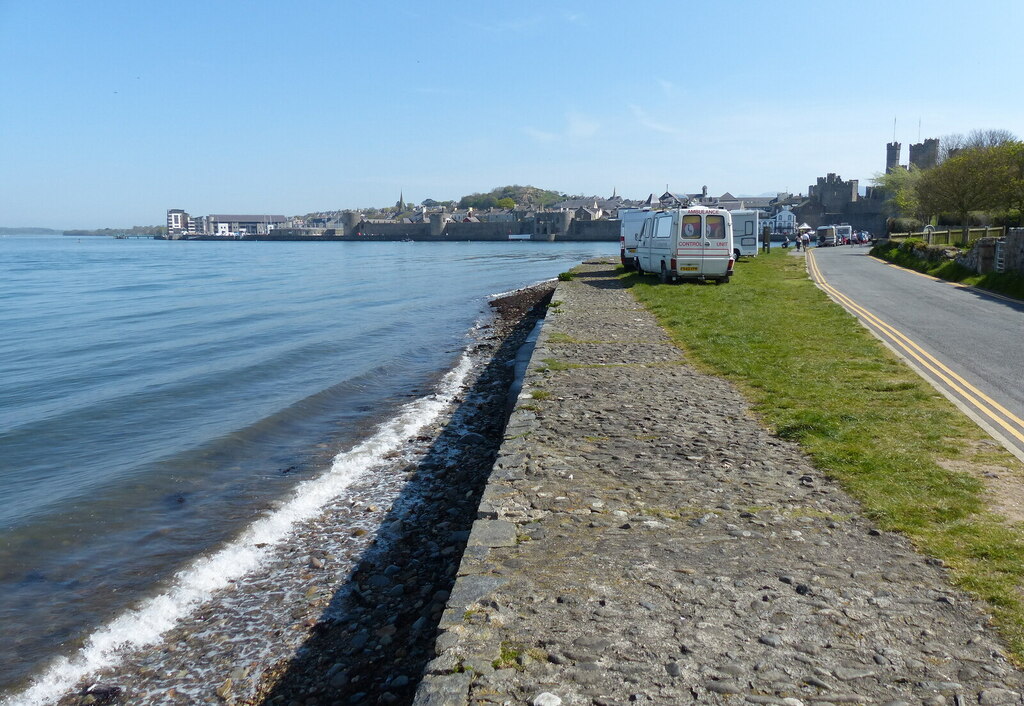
column 687, row 243
column 746, row 229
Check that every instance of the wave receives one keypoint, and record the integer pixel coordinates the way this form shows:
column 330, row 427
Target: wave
column 499, row 295
column 194, row 585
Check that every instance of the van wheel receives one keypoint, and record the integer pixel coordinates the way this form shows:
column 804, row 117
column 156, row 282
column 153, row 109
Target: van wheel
column 636, row 265
column 737, row 254
column 664, row 276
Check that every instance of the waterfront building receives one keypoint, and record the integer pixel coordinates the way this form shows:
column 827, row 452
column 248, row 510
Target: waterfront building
column 177, row 222
column 233, row 224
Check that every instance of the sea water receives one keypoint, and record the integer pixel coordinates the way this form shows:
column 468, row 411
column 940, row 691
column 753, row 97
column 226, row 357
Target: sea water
column 159, row 399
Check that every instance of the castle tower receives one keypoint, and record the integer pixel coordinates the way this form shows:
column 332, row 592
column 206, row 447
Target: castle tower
column 892, row 156
column 925, row 155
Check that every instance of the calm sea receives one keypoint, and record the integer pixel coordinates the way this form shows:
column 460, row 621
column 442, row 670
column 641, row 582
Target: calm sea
column 157, row 398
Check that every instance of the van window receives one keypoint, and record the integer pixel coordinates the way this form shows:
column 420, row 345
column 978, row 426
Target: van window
column 716, row 227
column 691, row 227
column 663, row 227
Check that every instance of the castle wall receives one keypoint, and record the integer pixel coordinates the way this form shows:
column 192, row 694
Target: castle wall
column 592, row 231
column 480, row 231
column 394, row 231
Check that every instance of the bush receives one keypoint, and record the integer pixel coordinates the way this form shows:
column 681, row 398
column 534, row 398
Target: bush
column 565, row 277
column 951, row 220
column 904, row 225
column 911, row 245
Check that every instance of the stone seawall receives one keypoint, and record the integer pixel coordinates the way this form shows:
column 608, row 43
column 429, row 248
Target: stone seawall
column 643, row 539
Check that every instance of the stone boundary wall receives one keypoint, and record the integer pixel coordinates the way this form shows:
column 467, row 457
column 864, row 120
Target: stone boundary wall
column 488, row 530
column 1015, row 250
column 981, row 257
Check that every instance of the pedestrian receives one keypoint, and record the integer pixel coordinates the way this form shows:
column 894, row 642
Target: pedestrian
column 796, row 242
column 806, row 239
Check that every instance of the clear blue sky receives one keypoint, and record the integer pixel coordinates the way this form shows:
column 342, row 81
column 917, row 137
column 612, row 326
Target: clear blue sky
column 114, row 111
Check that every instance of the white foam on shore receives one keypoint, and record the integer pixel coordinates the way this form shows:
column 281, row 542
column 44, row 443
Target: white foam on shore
column 499, row 295
column 191, row 587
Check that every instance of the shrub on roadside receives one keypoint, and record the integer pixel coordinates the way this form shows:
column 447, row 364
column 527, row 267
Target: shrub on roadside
column 903, row 225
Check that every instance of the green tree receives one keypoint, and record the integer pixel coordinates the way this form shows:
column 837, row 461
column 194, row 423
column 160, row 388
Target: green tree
column 1009, row 195
column 505, row 203
column 901, row 187
column 964, row 183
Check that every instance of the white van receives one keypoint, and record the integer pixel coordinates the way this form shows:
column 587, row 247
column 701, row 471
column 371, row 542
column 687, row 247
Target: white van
column 631, row 220
column 746, row 229
column 844, row 234
column 687, row 243
column 826, row 236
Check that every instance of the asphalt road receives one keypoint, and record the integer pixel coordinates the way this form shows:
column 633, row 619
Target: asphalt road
column 967, row 342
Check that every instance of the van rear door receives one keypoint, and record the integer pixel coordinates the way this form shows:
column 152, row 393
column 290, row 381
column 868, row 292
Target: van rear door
column 690, row 250
column 717, row 246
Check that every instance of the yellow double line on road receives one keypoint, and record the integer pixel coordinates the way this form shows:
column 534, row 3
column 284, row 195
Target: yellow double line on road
column 977, row 401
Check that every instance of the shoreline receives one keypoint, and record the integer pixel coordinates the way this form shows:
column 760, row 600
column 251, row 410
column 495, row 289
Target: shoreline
column 268, row 634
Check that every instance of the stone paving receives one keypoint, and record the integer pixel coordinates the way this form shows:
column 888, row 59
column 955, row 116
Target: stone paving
column 643, row 539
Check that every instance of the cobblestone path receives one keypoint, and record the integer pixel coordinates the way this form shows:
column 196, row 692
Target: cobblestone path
column 643, row 539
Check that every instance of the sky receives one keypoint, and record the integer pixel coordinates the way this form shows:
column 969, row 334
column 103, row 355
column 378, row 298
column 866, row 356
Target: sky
column 112, row 112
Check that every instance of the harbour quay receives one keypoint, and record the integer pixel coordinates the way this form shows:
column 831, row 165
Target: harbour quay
column 642, row 538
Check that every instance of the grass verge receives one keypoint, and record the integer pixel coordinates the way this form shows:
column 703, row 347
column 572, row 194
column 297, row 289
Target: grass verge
column 820, row 379
column 1006, row 283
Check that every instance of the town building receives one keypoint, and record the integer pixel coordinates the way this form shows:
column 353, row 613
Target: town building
column 182, row 225
column 234, row 224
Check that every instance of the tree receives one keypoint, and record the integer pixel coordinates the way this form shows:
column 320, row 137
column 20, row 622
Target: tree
column 901, row 186
column 952, row 145
column 1009, row 160
column 505, row 203
column 985, row 139
column 966, row 182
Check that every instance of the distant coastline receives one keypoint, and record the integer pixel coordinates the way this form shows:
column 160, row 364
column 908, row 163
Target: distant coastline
column 29, row 231
column 113, row 232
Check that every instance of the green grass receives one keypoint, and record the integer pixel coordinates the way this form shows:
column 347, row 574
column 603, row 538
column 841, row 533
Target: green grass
column 1007, row 283
column 509, row 657
column 820, row 379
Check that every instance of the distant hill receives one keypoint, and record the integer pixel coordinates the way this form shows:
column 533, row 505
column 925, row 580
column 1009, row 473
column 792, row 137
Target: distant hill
column 134, row 230
column 29, row 231
column 523, row 196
